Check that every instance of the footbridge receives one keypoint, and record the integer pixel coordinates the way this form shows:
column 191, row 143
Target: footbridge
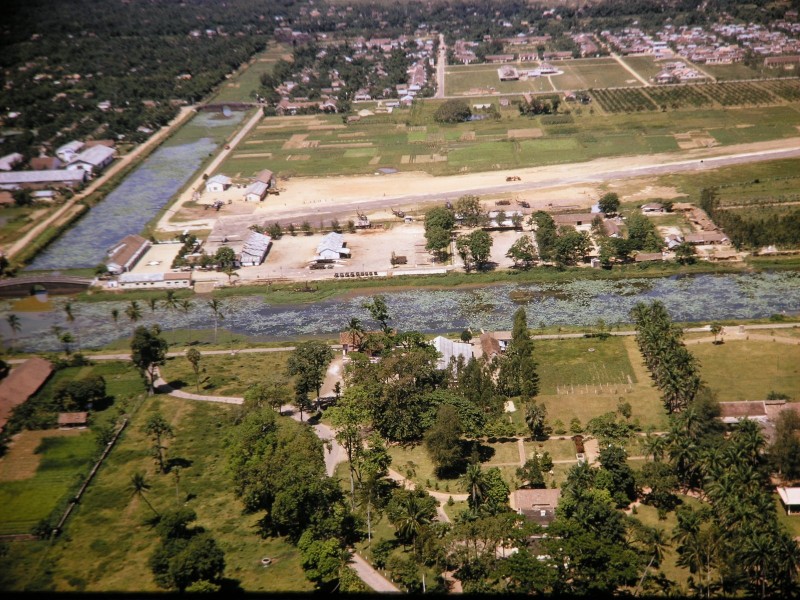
column 18, row 287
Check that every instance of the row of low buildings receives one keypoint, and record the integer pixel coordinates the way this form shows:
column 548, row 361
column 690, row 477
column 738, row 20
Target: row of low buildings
column 261, row 185
column 72, row 164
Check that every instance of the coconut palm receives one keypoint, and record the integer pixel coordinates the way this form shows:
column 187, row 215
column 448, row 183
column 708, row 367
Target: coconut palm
column 139, row 486
column 474, row 482
column 216, row 308
column 170, row 302
column 71, row 320
column 15, row 325
column 186, row 305
column 115, row 315
column 412, row 519
column 153, row 304
column 133, row 311
column 655, row 541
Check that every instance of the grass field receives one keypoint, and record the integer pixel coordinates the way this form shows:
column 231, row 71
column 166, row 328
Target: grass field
column 241, row 86
column 768, row 366
column 28, row 497
column 580, row 362
column 107, row 542
column 224, row 374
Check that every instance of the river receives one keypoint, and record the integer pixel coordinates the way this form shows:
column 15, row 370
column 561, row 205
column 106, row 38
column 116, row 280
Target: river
column 690, row 298
column 140, row 196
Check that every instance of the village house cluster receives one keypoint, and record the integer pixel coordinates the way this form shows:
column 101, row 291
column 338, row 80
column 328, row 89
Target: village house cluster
column 73, row 164
column 418, row 53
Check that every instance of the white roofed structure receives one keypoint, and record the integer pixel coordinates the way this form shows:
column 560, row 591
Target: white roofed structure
column 790, row 498
column 254, row 249
column 332, row 247
column 450, row 349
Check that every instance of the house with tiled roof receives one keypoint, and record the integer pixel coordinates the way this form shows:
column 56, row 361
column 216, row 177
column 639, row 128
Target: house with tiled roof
column 22, row 382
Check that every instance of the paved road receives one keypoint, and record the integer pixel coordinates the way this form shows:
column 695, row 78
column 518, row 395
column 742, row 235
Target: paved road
column 370, row 576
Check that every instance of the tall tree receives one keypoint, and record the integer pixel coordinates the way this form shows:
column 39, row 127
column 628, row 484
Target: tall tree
column 133, row 311
column 307, row 364
column 194, row 357
column 216, row 309
column 379, row 312
column 139, row 486
column 443, row 440
column 148, row 352
column 16, row 326
column 159, row 431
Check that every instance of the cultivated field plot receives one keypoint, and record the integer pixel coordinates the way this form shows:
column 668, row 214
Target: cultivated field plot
column 411, row 140
column 39, row 469
column 749, row 369
column 739, row 71
column 727, row 94
column 756, row 193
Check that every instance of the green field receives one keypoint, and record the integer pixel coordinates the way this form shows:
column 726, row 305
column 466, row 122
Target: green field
column 409, row 139
column 28, row 501
column 223, row 374
column 768, row 366
column 243, row 83
column 107, row 541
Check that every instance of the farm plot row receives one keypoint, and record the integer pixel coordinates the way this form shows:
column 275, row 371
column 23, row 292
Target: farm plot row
column 740, row 93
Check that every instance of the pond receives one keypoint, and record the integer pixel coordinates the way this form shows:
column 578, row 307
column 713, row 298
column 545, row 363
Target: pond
column 140, row 196
column 693, row 298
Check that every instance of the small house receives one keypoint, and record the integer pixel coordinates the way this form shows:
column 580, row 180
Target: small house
column 574, row 219
column 536, row 505
column 790, row 498
column 256, row 192
column 73, row 420
column 218, row 183
column 93, row 160
column 266, row 176
column 22, row 382
column 69, row 151
column 9, row 161
column 255, row 248
column 706, row 238
column 653, row 208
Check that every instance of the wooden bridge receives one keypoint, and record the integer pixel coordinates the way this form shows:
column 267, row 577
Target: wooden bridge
column 18, row 287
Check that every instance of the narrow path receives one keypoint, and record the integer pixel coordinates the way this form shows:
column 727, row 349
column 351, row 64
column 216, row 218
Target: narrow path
column 523, row 457
column 441, row 66
column 625, row 66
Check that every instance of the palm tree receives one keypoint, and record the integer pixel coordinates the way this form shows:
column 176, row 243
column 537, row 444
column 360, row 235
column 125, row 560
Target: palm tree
column 412, row 519
column 170, row 302
column 15, row 325
column 133, row 311
column 756, row 553
column 153, row 304
column 216, row 308
column 139, row 486
column 115, row 315
column 475, row 484
column 656, row 542
column 355, row 332
column 656, row 446
column 186, row 305
column 71, row 320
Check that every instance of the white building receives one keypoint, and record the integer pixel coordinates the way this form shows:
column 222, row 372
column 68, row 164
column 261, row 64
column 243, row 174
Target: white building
column 9, row 161
column 69, row 151
column 255, row 248
column 332, row 247
column 256, row 191
column 154, row 280
column 218, row 183
column 93, row 160
column 450, row 349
